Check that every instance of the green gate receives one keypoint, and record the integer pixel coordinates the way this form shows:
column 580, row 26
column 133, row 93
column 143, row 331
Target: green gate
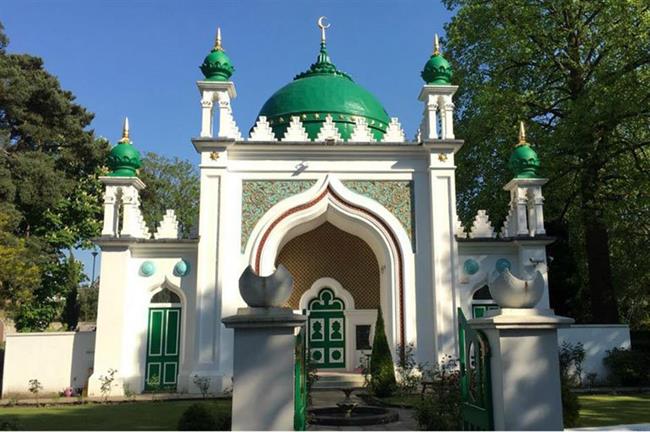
column 475, row 381
column 163, row 346
column 300, row 381
column 327, row 330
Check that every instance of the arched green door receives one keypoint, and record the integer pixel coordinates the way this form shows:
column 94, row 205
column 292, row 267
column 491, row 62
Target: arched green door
column 327, row 330
column 163, row 342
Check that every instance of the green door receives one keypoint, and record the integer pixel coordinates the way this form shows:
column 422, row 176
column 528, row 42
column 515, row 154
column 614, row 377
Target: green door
column 327, row 330
column 163, row 346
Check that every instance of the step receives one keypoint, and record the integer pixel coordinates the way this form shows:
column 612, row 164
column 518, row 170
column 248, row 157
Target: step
column 334, row 380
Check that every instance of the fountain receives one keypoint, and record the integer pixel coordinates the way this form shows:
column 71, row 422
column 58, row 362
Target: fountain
column 347, row 412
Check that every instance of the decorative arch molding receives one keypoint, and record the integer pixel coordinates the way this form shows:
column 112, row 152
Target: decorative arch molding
column 326, row 282
column 329, row 200
column 158, row 286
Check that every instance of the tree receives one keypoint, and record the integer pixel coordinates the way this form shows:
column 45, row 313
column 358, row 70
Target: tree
column 72, row 307
column 49, row 163
column 172, row 183
column 578, row 73
column 382, row 370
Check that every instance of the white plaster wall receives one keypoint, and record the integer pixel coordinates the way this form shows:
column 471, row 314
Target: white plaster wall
column 57, row 360
column 597, row 340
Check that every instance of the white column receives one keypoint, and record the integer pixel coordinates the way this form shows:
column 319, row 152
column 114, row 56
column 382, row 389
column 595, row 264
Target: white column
column 537, row 201
column 438, row 106
column 111, row 212
column 111, row 323
column 431, row 122
column 447, row 116
column 525, row 373
column 443, row 251
column 520, row 201
column 207, row 113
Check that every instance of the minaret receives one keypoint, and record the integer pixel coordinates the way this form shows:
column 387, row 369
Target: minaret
column 217, row 87
column 437, row 93
column 122, row 190
column 526, row 217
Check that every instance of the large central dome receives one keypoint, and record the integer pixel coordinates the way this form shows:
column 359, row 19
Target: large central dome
column 321, row 91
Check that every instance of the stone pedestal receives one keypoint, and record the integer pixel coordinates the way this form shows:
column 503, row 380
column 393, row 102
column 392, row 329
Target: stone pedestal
column 263, row 367
column 525, row 370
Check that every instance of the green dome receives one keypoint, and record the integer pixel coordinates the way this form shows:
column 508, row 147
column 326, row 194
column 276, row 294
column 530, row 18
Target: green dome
column 124, row 158
column 320, row 91
column 523, row 162
column 437, row 71
column 217, row 65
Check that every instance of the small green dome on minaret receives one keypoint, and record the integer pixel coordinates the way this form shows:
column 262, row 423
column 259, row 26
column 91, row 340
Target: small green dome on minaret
column 523, row 162
column 124, row 159
column 217, row 65
column 437, row 70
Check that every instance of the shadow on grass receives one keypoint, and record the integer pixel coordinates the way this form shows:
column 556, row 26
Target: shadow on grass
column 123, row 416
column 609, row 410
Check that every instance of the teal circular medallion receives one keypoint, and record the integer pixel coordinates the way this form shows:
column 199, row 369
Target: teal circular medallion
column 503, row 264
column 181, row 268
column 147, row 269
column 470, row 266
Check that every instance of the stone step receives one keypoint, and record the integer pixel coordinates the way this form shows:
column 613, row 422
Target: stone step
column 334, row 380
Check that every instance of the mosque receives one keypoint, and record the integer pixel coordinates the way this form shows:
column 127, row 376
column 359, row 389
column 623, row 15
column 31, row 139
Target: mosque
column 327, row 184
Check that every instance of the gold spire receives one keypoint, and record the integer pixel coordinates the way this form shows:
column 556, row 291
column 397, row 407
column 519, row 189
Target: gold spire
column 436, row 45
column 522, row 134
column 125, row 131
column 217, row 41
column 323, row 27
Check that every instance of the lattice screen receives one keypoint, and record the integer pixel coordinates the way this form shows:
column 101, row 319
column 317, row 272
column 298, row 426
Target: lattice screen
column 330, row 252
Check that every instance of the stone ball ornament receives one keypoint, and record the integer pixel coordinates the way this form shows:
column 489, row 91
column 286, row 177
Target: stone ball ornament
column 503, row 264
column 266, row 291
column 147, row 269
column 181, row 268
column 471, row 266
column 511, row 292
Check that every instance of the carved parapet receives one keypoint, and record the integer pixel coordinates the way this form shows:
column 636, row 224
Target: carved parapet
column 361, row 132
column 482, row 227
column 296, row 131
column 394, row 132
column 262, row 131
column 329, row 131
column 168, row 228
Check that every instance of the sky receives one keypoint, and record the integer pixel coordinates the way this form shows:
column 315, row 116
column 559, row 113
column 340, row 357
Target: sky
column 141, row 58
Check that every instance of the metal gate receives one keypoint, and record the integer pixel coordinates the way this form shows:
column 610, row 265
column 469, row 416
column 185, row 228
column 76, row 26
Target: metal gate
column 327, row 330
column 300, row 382
column 475, row 380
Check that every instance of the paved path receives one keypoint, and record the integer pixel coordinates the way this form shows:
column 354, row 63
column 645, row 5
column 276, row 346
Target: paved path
column 330, row 397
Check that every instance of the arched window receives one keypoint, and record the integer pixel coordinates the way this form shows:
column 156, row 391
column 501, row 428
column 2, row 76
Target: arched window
column 482, row 302
column 165, row 296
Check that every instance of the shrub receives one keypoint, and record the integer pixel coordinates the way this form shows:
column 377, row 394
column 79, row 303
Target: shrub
column 570, row 403
column 197, row 417
column 223, row 421
column 9, row 424
column 571, row 359
column 627, row 368
column 203, row 384
column 439, row 409
column 382, row 370
column 409, row 372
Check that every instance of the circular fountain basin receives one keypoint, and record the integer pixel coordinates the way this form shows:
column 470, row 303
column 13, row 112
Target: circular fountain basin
column 360, row 416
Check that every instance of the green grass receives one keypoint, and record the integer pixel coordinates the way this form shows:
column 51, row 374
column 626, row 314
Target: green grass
column 123, row 416
column 608, row 410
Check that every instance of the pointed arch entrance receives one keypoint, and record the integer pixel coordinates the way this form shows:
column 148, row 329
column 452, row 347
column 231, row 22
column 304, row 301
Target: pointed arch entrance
column 329, row 201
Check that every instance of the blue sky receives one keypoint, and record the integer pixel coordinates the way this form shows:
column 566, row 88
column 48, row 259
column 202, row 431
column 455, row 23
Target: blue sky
column 140, row 58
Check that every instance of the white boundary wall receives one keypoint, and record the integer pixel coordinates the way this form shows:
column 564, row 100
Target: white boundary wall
column 597, row 339
column 58, row 360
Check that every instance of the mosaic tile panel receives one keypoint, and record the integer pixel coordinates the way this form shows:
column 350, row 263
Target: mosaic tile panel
column 258, row 196
column 396, row 196
column 327, row 251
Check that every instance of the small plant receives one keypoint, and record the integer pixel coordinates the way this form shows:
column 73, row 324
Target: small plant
column 107, row 383
column 128, row 393
column 35, row 387
column 440, row 408
column 571, row 359
column 591, row 379
column 409, row 372
column 203, row 384
column 67, row 392
column 197, row 417
column 627, row 367
column 12, row 399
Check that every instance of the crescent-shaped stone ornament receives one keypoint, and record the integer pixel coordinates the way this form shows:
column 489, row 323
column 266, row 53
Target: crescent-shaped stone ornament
column 323, row 26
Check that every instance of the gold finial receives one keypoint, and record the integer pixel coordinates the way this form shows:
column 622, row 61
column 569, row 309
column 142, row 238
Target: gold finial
column 522, row 133
column 217, row 40
column 436, row 45
column 321, row 24
column 125, row 131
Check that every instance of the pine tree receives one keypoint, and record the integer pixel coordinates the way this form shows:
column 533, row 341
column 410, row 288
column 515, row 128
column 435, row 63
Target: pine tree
column 382, row 370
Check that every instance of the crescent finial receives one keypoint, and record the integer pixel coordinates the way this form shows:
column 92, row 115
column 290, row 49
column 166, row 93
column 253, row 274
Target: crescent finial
column 323, row 26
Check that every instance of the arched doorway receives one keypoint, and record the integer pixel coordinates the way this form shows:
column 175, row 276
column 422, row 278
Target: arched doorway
column 326, row 334
column 163, row 342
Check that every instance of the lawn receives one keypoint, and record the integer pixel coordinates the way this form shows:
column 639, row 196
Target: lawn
column 162, row 415
column 606, row 410
column 595, row 410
